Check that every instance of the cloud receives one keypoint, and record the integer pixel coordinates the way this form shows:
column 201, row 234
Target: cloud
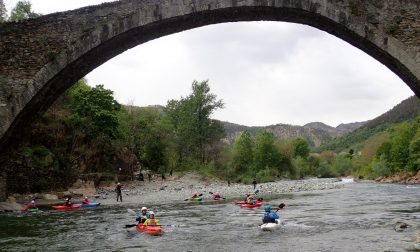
column 266, row 72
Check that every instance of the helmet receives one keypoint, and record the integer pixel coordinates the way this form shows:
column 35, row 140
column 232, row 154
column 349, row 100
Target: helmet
column 151, row 213
column 267, row 209
column 86, row 197
column 67, row 199
column 144, row 208
column 33, row 201
column 118, row 183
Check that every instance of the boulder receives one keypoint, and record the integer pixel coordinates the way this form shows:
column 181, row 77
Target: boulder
column 48, row 196
column 400, row 226
column 84, row 188
column 10, row 206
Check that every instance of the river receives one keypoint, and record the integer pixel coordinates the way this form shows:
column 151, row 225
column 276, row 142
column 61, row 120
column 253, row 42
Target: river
column 358, row 217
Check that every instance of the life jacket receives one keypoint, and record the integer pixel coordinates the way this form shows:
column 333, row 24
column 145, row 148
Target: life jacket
column 85, row 201
column 266, row 219
column 151, row 222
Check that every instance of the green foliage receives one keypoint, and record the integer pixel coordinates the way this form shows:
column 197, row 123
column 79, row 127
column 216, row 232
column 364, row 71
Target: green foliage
column 380, row 168
column 97, row 109
column 266, row 154
column 301, row 167
column 406, row 110
column 243, row 153
column 194, row 130
column 343, row 165
column 325, row 170
column 22, row 11
column 399, row 152
column 301, row 147
column 413, row 164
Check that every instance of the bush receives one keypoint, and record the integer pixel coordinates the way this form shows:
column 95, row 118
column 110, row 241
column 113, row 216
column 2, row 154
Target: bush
column 266, row 175
column 325, row 170
column 343, row 165
column 380, row 168
column 301, row 168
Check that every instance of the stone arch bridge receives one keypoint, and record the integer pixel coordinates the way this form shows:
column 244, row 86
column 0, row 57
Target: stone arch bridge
column 40, row 58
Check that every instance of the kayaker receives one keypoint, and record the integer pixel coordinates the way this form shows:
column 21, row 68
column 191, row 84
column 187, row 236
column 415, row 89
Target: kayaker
column 151, row 221
column 269, row 217
column 30, row 205
column 118, row 190
column 216, row 196
column 254, row 182
column 85, row 200
column 142, row 216
column 246, row 197
column 67, row 202
column 250, row 200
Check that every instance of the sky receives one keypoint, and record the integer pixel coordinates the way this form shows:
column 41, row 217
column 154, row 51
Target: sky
column 265, row 72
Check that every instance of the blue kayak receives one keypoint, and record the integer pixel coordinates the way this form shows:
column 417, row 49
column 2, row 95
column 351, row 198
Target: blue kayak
column 88, row 205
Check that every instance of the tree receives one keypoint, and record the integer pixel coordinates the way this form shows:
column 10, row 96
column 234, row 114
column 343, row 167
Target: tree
column 301, row 147
column 266, row 154
column 3, row 12
column 399, row 152
column 195, row 130
column 22, row 11
column 243, row 153
column 98, row 108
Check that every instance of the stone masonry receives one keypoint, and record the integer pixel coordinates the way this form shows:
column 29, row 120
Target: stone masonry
column 40, row 58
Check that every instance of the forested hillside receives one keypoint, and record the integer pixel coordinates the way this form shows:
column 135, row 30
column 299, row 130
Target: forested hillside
column 404, row 111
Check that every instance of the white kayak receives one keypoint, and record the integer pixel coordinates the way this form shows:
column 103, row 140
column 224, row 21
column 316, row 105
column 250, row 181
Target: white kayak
column 270, row 226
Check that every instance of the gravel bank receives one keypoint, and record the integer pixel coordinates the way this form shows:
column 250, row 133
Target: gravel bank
column 177, row 189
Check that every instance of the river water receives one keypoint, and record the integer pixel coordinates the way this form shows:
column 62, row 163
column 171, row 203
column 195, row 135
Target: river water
column 358, row 217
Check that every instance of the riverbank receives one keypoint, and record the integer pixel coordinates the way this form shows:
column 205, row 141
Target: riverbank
column 180, row 188
column 401, row 178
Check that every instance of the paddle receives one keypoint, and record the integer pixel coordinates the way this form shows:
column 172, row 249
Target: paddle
column 190, row 198
column 281, row 206
column 131, row 212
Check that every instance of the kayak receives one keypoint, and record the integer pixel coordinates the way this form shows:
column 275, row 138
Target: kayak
column 270, row 226
column 257, row 204
column 244, row 202
column 88, row 205
column 150, row 230
column 65, row 207
column 196, row 199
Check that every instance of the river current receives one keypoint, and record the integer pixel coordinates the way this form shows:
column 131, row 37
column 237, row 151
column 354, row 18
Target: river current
column 358, row 217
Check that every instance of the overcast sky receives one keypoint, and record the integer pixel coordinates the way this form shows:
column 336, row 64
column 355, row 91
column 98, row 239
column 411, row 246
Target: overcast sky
column 265, row 72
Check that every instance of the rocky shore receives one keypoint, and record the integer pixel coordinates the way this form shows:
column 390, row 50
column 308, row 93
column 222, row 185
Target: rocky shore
column 178, row 189
column 401, row 178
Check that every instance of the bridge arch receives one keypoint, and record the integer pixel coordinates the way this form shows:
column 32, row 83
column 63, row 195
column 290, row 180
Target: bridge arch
column 41, row 58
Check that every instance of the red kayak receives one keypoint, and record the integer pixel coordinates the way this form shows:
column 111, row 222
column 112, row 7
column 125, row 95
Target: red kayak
column 151, row 230
column 244, row 202
column 64, row 208
column 257, row 204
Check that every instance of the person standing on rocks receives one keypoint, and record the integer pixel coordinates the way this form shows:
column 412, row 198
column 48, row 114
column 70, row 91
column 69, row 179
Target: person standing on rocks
column 149, row 176
column 118, row 190
column 254, row 182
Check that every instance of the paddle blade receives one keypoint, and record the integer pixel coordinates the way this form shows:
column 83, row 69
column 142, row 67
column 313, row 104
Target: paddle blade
column 130, row 225
column 257, row 191
column 186, row 199
column 131, row 212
